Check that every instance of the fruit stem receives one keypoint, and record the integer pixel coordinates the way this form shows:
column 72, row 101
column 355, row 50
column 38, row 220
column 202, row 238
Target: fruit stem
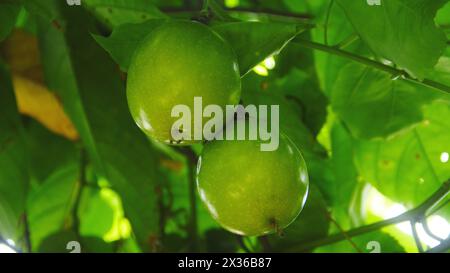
column 191, row 161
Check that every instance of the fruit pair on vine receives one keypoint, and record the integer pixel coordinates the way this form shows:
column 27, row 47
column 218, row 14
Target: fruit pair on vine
column 248, row 191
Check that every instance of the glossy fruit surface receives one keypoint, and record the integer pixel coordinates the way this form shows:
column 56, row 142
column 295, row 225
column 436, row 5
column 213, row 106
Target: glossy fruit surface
column 251, row 192
column 176, row 62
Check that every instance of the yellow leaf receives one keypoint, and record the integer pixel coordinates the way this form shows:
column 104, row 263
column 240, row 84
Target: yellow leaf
column 38, row 102
column 33, row 98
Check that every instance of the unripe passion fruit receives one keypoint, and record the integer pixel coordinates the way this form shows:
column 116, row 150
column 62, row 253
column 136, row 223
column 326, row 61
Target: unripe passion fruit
column 251, row 192
column 176, row 62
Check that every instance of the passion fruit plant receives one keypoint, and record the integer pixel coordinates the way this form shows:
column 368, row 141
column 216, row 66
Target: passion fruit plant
column 88, row 163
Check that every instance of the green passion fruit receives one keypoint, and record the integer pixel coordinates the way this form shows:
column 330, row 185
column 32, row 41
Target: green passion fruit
column 176, row 62
column 252, row 192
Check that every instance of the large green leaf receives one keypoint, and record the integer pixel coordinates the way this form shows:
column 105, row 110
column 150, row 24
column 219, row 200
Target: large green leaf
column 295, row 76
column 95, row 213
column 402, row 31
column 409, row 167
column 48, row 152
column 345, row 175
column 124, row 40
column 9, row 10
column 117, row 12
column 46, row 10
column 54, row 170
column 49, row 205
column 93, row 95
column 289, row 120
column 338, row 32
column 383, row 105
column 299, row 87
column 13, row 162
column 255, row 41
column 443, row 16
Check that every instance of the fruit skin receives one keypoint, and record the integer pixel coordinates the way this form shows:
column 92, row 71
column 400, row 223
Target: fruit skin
column 174, row 63
column 250, row 192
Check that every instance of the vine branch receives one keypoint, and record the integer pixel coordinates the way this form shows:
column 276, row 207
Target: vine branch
column 444, row 246
column 411, row 215
column 396, row 73
column 416, row 236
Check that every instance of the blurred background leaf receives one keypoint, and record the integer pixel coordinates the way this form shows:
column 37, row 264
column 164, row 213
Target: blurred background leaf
column 14, row 180
column 124, row 40
column 94, row 99
column 9, row 10
column 412, row 165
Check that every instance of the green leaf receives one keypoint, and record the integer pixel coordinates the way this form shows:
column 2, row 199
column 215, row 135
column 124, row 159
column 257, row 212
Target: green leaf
column 345, row 174
column 46, row 10
column 443, row 15
column 221, row 241
column 255, row 41
column 402, row 31
column 49, row 205
column 338, row 30
column 13, row 162
column 54, row 169
column 9, row 10
column 300, row 90
column 408, row 168
column 48, row 152
column 289, row 118
column 441, row 73
column 95, row 213
column 295, row 75
column 89, row 85
column 383, row 105
column 371, row 242
column 117, row 12
column 59, row 243
column 124, row 40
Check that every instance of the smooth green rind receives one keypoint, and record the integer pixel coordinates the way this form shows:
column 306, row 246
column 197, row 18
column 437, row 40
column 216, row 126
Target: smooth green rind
column 250, row 192
column 178, row 61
